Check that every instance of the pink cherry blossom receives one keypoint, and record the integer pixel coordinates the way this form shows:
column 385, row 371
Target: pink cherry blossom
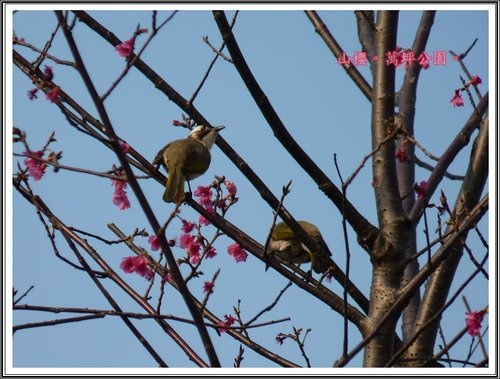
column 210, row 253
column 421, row 189
column 54, row 96
column 154, row 242
column 457, row 100
column 205, row 196
column 236, row 251
column 126, row 48
column 231, row 188
column 187, row 227
column 137, row 264
column 224, row 325
column 124, row 146
column 473, row 322
column 120, row 198
column 401, row 154
column 476, row 80
column 185, row 240
column 208, row 287
column 35, row 165
column 202, row 220
column 49, row 73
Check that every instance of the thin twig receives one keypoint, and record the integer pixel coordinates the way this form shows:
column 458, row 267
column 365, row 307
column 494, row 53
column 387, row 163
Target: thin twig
column 218, row 53
column 368, row 156
column 284, row 192
column 345, row 344
column 28, row 193
column 68, row 320
column 110, row 174
column 441, row 335
column 460, row 60
column 133, row 57
column 418, row 145
column 101, row 313
column 479, row 337
column 475, row 262
column 301, row 344
column 270, row 306
column 430, row 168
column 205, row 300
column 135, row 233
column 337, row 51
column 22, row 42
column 23, row 295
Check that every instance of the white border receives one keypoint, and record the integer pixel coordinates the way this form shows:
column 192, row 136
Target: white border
column 244, row 7
column 8, row 89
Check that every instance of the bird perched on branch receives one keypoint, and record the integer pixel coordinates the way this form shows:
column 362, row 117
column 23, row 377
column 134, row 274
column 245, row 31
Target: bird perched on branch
column 286, row 245
column 186, row 159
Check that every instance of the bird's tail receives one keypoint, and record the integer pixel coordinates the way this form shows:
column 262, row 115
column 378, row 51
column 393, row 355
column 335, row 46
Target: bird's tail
column 174, row 188
column 320, row 262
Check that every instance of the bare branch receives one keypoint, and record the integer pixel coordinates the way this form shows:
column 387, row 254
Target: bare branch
column 133, row 57
column 31, row 325
column 363, row 228
column 43, row 53
column 270, row 306
column 218, row 52
column 108, row 129
column 428, row 167
column 460, row 141
column 337, row 51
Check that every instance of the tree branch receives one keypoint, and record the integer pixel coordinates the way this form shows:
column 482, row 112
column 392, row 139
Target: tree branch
column 235, row 233
column 460, row 141
column 362, row 227
column 71, row 236
column 108, row 129
column 337, row 51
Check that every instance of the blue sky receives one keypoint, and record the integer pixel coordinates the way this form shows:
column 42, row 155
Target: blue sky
column 319, row 105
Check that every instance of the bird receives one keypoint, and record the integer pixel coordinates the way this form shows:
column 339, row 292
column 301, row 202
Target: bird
column 287, row 246
column 186, row 159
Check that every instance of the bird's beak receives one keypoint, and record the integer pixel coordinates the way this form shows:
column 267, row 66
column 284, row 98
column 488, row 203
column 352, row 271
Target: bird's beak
column 218, row 128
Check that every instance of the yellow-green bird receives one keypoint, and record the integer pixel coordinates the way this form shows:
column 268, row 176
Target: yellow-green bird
column 186, row 159
column 287, row 246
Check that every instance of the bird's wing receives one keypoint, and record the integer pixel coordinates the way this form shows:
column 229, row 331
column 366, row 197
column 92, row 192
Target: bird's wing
column 158, row 159
column 282, row 232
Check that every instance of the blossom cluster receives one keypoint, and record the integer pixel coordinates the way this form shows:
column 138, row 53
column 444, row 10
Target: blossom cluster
column 473, row 322
column 35, row 164
column 190, row 238
column 137, row 264
column 120, row 198
column 54, row 95
column 229, row 321
column 126, row 48
column 191, row 243
column 421, row 190
column 457, row 100
column 206, row 199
